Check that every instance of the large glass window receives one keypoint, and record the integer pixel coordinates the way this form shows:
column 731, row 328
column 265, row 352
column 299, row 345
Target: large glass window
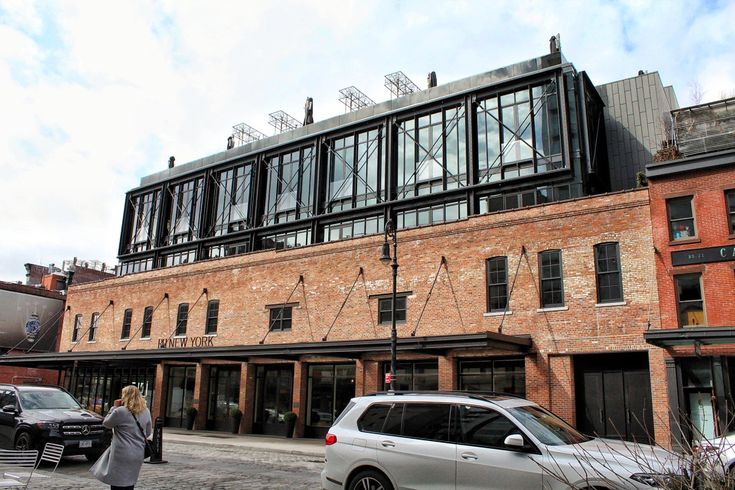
column 233, row 199
column 144, row 222
column 552, row 286
column 432, row 153
column 681, row 218
column 330, row 388
column 353, row 228
column 356, row 170
column 413, row 376
column 432, row 215
column 730, row 198
column 178, row 258
column 289, row 195
column 184, row 213
column 519, row 133
column 493, row 375
column 291, row 239
column 607, row 267
column 689, row 299
column 497, row 284
column 182, row 317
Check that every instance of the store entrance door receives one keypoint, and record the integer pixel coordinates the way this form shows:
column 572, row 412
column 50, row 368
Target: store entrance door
column 179, row 394
column 273, row 395
column 224, row 396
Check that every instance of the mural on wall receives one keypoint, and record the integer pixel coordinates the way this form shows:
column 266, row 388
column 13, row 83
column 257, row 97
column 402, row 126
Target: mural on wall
column 29, row 322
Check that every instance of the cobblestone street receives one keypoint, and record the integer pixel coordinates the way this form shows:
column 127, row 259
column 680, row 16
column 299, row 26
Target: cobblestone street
column 196, row 466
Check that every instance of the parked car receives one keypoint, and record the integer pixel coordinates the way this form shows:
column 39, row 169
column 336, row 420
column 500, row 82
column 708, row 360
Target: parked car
column 716, row 458
column 445, row 441
column 32, row 415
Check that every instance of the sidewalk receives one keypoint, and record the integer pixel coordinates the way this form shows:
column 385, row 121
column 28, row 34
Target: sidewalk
column 306, row 447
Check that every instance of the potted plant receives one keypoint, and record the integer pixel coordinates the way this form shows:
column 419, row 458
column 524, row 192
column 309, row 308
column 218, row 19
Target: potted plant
column 191, row 415
column 289, row 418
column 236, row 417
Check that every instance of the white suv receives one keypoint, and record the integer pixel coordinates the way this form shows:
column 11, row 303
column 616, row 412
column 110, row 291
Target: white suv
column 447, row 441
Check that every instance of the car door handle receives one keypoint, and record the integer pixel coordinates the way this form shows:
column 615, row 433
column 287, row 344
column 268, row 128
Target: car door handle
column 388, row 443
column 469, row 456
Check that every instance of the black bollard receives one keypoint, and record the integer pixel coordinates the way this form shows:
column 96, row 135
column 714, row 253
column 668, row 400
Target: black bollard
column 157, row 456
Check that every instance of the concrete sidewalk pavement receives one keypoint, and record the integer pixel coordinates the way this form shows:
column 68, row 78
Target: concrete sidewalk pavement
column 307, row 447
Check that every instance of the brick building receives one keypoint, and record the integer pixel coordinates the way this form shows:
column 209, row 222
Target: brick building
column 251, row 279
column 693, row 217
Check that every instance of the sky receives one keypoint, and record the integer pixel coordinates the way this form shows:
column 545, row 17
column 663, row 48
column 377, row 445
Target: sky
column 96, row 94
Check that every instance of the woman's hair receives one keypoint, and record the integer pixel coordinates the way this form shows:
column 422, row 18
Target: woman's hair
column 133, row 400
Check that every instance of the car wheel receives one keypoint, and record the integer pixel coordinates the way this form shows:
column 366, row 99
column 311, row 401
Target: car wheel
column 23, row 442
column 370, row 480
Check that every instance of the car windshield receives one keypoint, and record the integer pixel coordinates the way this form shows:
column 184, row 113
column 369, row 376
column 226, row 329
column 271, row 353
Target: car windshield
column 45, row 399
column 547, row 427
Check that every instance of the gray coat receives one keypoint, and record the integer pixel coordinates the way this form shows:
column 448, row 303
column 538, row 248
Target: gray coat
column 119, row 466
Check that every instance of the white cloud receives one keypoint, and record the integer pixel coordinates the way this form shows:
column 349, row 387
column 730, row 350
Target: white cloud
column 95, row 95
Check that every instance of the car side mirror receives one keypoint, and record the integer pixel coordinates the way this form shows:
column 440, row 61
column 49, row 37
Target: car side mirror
column 9, row 409
column 515, row 441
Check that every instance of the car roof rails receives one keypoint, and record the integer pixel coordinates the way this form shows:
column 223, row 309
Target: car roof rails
column 476, row 395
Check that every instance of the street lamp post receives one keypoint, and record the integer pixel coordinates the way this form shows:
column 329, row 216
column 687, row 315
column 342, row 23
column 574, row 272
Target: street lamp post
column 385, row 257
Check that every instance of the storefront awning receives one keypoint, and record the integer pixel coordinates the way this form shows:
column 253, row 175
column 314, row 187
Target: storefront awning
column 341, row 348
column 688, row 336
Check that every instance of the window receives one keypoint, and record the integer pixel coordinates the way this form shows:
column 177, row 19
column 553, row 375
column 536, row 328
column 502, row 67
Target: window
column 291, row 239
column 432, row 153
column 440, row 213
column 373, row 419
column 552, row 287
column 143, row 221
column 185, row 210
column 330, row 388
column 182, row 316
column 681, row 218
column 93, row 327
column 413, row 376
column 385, row 311
column 178, row 258
column 147, row 322
column 426, row 421
column 493, row 375
column 607, row 267
column 497, row 284
column 730, row 198
column 212, row 313
column 484, row 427
column 353, row 228
column 233, row 199
column 689, row 299
column 290, row 194
column 280, row 320
column 127, row 320
column 77, row 328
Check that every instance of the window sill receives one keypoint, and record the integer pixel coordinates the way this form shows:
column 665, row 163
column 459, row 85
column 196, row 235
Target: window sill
column 497, row 313
column 145, row 339
column 616, row 303
column 127, row 339
column 685, row 241
column 554, row 308
column 179, row 336
column 390, row 324
column 91, row 341
column 210, row 334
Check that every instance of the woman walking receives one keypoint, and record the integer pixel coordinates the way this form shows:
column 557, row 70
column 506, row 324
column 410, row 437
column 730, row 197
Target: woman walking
column 119, row 466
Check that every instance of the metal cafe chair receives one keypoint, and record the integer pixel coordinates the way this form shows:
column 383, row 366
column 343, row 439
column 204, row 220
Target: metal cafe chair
column 17, row 468
column 52, row 453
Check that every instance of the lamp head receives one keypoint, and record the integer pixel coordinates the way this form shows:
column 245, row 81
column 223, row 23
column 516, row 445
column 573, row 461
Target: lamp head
column 385, row 252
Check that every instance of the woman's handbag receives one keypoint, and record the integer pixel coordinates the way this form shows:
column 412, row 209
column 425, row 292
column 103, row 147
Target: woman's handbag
column 148, row 443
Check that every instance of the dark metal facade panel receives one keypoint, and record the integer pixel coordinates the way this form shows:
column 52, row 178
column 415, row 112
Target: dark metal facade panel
column 688, row 336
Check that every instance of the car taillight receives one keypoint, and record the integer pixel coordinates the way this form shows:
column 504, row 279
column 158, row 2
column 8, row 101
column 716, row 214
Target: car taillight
column 330, row 439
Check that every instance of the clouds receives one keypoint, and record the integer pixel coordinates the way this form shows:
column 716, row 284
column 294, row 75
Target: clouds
column 94, row 95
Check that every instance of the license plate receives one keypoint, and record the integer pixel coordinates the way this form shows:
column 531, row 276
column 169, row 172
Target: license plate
column 85, row 443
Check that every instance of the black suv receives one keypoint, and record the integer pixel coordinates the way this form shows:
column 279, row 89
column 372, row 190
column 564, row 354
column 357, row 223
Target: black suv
column 32, row 415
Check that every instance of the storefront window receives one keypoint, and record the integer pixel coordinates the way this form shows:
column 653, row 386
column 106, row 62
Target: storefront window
column 331, row 386
column 413, row 376
column 493, row 375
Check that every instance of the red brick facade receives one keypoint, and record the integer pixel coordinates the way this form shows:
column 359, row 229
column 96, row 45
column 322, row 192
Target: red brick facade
column 245, row 285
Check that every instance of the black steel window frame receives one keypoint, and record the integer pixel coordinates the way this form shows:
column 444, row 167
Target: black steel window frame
column 280, row 183
column 353, row 154
column 608, row 273
column 730, row 210
column 212, row 317
column 127, row 321
column 182, row 317
column 92, row 335
column 680, row 211
column 496, row 272
column 77, row 327
column 551, row 279
column 689, row 298
column 492, row 366
column 184, row 205
column 232, row 199
column 145, row 331
column 145, row 208
column 385, row 311
column 280, row 318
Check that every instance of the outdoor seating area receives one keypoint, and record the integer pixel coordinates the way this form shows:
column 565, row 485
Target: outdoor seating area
column 18, row 467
